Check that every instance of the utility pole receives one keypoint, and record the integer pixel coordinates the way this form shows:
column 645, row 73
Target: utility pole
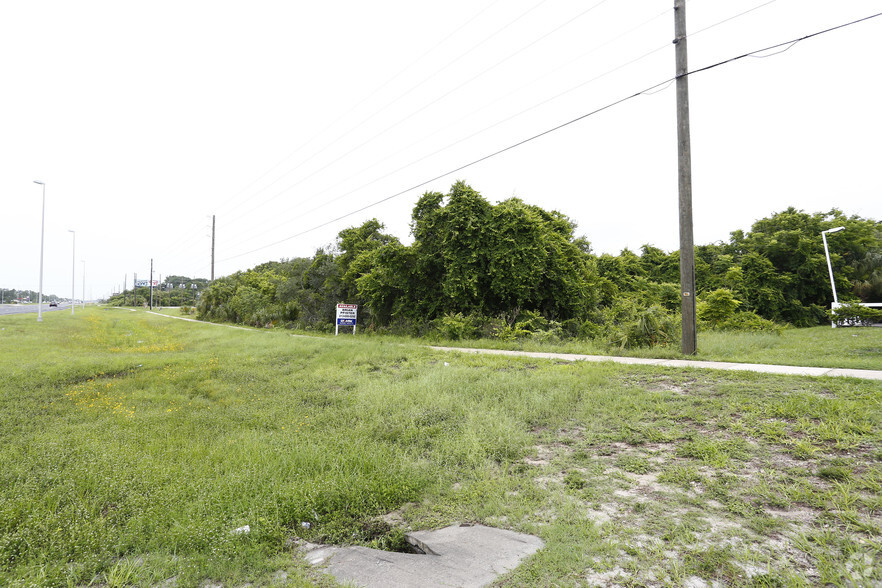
column 684, row 164
column 212, row 248
column 135, row 291
column 151, row 283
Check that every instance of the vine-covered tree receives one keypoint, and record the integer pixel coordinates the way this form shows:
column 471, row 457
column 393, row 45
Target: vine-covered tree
column 476, row 258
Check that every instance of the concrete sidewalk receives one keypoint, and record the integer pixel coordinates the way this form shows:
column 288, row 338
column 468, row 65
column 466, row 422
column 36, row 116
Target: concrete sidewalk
column 791, row 370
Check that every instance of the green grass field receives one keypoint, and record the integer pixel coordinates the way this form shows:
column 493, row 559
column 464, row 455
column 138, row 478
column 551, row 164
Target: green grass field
column 132, row 446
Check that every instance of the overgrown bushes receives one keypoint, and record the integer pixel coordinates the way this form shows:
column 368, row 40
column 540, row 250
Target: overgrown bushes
column 718, row 310
column 514, row 271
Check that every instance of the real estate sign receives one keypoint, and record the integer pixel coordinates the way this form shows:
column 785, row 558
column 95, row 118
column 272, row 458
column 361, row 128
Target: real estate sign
column 347, row 316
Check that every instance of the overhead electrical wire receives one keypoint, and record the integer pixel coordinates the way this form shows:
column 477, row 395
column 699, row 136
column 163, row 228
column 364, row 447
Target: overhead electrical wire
column 591, row 8
column 551, row 130
column 359, row 103
column 544, row 75
column 458, row 141
column 393, row 102
column 433, row 102
column 740, row 14
column 645, row 55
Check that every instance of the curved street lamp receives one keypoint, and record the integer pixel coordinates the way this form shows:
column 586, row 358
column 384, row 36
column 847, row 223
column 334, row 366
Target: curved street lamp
column 830, row 266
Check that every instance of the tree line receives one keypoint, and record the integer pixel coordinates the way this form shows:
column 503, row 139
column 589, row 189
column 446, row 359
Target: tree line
column 172, row 291
column 12, row 296
column 511, row 270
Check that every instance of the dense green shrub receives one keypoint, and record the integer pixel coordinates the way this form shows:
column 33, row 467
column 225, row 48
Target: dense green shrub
column 751, row 322
column 853, row 314
column 457, row 326
column 644, row 328
column 717, row 306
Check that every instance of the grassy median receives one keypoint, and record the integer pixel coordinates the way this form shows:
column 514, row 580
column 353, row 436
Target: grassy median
column 136, row 449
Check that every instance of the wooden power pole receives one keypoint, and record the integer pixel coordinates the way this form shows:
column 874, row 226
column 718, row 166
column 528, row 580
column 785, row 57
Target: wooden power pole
column 684, row 159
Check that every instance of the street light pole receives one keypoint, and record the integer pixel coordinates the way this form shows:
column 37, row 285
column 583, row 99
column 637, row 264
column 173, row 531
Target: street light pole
column 42, row 233
column 73, row 272
column 84, row 283
column 830, row 266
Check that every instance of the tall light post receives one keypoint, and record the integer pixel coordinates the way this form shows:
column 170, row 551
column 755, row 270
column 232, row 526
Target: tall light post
column 830, row 267
column 42, row 233
column 84, row 283
column 73, row 271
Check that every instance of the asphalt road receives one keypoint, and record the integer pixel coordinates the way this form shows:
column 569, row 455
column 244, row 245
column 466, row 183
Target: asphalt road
column 23, row 308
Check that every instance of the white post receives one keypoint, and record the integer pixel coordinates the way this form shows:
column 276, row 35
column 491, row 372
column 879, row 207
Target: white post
column 829, row 267
column 835, row 304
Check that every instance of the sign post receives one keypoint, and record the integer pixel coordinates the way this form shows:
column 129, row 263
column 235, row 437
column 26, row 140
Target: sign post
column 347, row 316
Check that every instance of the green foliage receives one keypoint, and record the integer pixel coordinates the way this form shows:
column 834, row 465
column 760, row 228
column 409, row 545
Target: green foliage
column 477, row 269
column 717, row 306
column 644, row 328
column 353, row 243
column 456, row 326
column 785, row 277
column 247, row 297
column 853, row 314
column 474, row 258
column 748, row 321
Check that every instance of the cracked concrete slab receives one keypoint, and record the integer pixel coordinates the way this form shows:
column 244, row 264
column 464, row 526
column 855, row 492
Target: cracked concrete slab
column 462, row 556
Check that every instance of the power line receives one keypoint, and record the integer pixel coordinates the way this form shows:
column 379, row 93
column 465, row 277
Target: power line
column 740, row 14
column 791, row 42
column 526, row 85
column 549, row 131
column 356, row 105
column 388, row 105
column 591, row 8
column 458, row 141
column 447, row 173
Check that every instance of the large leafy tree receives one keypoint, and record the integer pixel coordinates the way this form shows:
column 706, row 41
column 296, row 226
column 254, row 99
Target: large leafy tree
column 794, row 285
column 473, row 257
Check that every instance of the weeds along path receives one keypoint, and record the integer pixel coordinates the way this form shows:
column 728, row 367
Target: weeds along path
column 685, row 363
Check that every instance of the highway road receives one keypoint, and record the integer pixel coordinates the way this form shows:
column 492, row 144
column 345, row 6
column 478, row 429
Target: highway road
column 23, row 308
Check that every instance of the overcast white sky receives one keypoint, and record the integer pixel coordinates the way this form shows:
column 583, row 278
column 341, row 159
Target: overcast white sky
column 145, row 118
